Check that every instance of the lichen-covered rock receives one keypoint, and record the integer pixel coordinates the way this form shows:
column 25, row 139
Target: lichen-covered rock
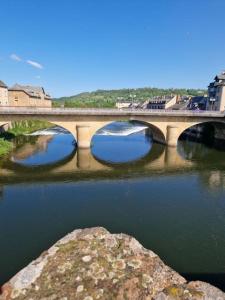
column 93, row 264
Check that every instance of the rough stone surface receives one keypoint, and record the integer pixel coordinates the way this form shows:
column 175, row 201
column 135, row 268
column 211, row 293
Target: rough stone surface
column 93, row 264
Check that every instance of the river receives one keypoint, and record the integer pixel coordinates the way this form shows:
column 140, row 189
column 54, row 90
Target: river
column 171, row 200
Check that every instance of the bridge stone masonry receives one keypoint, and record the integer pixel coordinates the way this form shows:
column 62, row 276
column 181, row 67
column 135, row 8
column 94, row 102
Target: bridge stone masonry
column 165, row 126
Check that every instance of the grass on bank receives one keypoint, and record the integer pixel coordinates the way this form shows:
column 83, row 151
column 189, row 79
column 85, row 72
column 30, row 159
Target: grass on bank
column 27, row 127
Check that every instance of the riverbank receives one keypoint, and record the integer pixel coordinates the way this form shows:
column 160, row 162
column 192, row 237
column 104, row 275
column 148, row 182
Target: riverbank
column 17, row 129
column 27, row 127
column 94, row 264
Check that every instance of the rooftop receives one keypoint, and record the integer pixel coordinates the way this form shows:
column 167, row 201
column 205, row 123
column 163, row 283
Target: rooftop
column 33, row 91
column 220, row 77
column 161, row 99
column 2, row 84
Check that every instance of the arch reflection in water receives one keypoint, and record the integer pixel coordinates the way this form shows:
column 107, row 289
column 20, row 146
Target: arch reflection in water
column 81, row 164
column 202, row 154
column 42, row 147
column 122, row 142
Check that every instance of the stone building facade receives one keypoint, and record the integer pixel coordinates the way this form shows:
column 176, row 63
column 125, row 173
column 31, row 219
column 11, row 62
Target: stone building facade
column 24, row 95
column 216, row 93
column 4, row 99
column 20, row 95
column 162, row 102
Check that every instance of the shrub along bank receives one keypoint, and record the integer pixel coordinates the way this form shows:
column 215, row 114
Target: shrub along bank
column 5, row 146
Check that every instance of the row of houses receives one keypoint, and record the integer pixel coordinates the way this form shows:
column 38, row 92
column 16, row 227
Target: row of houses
column 215, row 100
column 24, row 95
column 164, row 102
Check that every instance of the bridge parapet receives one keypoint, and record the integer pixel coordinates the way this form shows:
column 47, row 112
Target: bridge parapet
column 107, row 112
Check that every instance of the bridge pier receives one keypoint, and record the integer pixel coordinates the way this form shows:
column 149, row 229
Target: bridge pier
column 83, row 136
column 172, row 135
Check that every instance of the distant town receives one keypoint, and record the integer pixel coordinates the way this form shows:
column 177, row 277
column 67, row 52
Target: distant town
column 213, row 100
column 172, row 99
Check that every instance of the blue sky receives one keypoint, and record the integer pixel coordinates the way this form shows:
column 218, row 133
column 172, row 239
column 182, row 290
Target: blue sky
column 72, row 46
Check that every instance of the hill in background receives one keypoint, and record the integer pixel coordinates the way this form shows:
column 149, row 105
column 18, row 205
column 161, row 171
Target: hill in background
column 108, row 98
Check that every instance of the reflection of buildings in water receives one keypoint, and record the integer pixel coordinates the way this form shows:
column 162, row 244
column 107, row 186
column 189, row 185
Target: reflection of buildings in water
column 214, row 179
column 29, row 149
column 189, row 150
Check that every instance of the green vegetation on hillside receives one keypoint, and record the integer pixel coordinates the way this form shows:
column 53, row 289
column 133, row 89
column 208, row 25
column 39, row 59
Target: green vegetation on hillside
column 108, row 98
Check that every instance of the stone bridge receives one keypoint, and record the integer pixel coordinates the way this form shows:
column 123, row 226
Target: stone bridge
column 166, row 126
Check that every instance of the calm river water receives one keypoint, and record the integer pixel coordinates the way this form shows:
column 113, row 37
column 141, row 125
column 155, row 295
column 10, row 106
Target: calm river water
column 171, row 200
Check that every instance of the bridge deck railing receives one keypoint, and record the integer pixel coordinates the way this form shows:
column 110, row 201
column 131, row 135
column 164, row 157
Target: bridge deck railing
column 107, row 111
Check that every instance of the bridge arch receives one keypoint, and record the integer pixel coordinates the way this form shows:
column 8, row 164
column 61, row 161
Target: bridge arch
column 211, row 130
column 157, row 133
column 121, row 145
column 65, row 125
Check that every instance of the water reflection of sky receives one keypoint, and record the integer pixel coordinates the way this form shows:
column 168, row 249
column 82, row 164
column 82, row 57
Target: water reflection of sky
column 57, row 148
column 119, row 149
column 111, row 144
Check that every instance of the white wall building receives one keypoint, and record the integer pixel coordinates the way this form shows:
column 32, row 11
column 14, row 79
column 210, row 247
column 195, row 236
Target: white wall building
column 4, row 98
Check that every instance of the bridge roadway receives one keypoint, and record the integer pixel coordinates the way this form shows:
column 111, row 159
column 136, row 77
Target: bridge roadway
column 166, row 125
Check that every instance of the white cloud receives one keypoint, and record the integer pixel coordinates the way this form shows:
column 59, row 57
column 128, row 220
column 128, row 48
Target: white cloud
column 34, row 64
column 15, row 57
column 38, row 77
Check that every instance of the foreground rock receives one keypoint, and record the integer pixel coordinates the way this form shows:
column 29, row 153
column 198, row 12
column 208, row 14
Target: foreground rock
column 94, row 264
